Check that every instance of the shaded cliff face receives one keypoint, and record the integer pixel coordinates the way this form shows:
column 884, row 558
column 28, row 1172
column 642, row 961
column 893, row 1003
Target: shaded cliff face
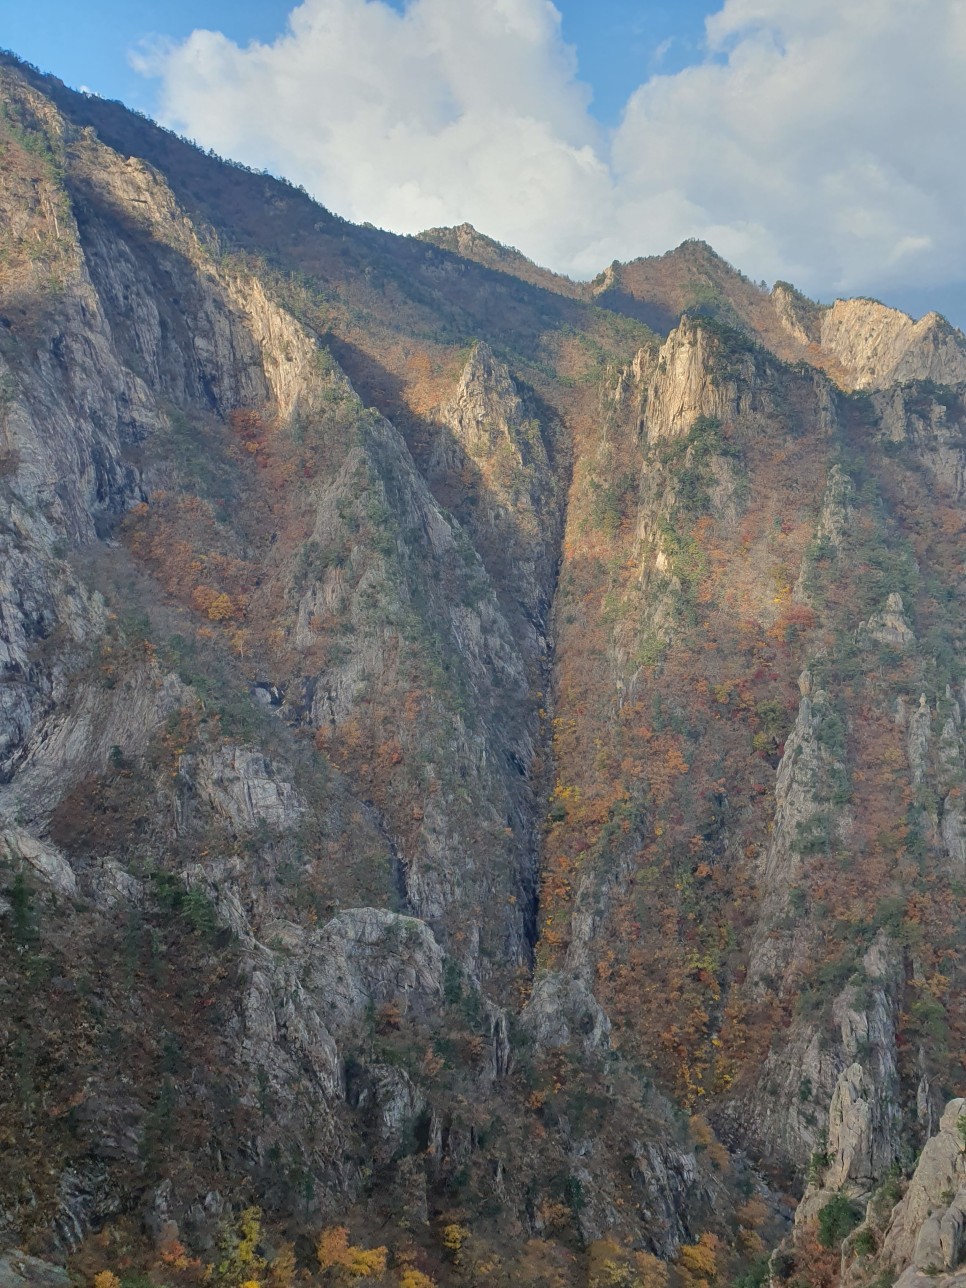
column 465, row 759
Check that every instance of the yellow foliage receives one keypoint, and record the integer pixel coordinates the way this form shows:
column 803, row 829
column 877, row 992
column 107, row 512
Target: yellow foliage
column 555, row 1216
column 250, row 1231
column 698, row 1260
column 332, row 1246
column 336, row 1253
column 453, row 1237
column 240, row 1262
column 106, row 1279
column 611, row 1266
column 651, row 1271
column 411, row 1278
column 363, row 1263
column 750, row 1243
column 602, row 1268
column 215, row 604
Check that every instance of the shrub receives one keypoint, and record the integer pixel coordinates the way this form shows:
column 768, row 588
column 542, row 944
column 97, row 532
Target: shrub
column 864, row 1245
column 836, row 1220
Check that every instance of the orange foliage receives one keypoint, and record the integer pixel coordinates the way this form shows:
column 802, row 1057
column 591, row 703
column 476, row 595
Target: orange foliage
column 342, row 1260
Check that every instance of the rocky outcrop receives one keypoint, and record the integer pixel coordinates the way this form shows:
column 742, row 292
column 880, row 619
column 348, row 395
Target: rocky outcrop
column 418, row 601
column 683, row 387
column 918, row 725
column 18, row 1270
column 86, row 731
column 490, row 436
column 243, row 786
column 283, row 1035
column 141, row 321
column 800, row 316
column 832, row 1108
column 953, row 827
column 836, row 514
column 368, row 956
column 928, row 1226
column 810, row 768
column 19, row 849
column 563, row 1011
column 863, row 1135
column 890, row 626
column 914, row 1278
column 931, row 422
column 879, row 346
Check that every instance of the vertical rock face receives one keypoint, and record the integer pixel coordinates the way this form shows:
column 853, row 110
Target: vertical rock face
column 798, row 315
column 926, row 1229
column 930, row 421
column 837, row 508
column 891, row 625
column 805, row 782
column 516, row 512
column 241, row 784
column 835, row 1104
column 683, row 386
column 412, row 624
column 864, row 1117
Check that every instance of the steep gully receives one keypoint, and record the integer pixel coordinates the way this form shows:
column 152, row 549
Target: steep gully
column 428, row 438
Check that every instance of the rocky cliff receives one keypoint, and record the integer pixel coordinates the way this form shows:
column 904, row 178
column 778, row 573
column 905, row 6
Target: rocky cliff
column 468, row 761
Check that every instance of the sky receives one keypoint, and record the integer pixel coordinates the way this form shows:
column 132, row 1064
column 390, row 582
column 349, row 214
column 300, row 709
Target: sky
column 806, row 140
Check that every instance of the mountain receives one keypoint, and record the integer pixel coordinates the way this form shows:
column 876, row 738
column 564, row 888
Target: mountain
column 481, row 755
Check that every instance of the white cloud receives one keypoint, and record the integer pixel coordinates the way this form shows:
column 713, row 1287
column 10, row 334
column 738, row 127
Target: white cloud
column 818, row 141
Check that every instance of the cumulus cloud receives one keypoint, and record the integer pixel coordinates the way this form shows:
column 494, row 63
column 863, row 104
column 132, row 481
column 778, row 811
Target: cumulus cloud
column 817, row 142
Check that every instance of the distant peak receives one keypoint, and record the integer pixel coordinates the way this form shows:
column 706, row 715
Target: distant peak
column 463, row 237
column 694, row 245
column 469, row 243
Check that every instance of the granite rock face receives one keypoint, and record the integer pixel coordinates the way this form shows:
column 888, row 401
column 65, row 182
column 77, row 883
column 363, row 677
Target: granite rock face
column 880, row 346
column 926, row 1230
column 241, row 785
column 682, row 388
column 891, row 626
column 18, row 1270
column 489, row 430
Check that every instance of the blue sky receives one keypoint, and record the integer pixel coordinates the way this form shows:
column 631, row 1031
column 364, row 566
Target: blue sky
column 619, row 42
column 88, row 44
column 816, row 142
